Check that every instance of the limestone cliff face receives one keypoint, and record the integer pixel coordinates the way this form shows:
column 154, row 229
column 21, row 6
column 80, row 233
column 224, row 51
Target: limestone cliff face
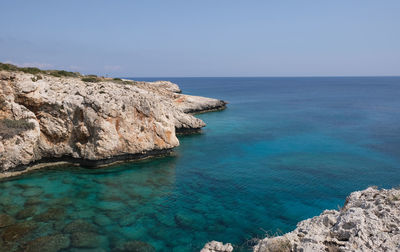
column 66, row 117
column 369, row 221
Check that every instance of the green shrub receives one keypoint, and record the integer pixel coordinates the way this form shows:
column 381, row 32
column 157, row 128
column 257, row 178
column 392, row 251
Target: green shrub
column 62, row 73
column 8, row 67
column 10, row 128
column 90, row 79
column 117, row 79
column 35, row 71
column 31, row 70
column 18, row 124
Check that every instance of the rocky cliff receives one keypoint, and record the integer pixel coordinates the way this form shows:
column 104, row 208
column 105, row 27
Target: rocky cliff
column 92, row 122
column 368, row 221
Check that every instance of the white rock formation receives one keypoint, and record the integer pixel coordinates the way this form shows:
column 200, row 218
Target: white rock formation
column 70, row 119
column 215, row 246
column 369, row 221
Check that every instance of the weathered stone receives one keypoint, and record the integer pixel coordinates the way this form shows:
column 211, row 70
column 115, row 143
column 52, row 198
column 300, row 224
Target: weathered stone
column 102, row 121
column 215, row 246
column 51, row 243
column 369, row 221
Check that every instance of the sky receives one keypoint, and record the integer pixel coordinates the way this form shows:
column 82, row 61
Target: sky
column 188, row 38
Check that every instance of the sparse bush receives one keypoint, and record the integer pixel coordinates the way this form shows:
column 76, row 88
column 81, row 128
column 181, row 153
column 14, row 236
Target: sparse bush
column 36, row 71
column 62, row 73
column 10, row 128
column 8, row 67
column 31, row 70
column 90, row 79
column 117, row 79
column 18, row 124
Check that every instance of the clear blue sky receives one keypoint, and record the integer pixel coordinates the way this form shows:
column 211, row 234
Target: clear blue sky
column 204, row 38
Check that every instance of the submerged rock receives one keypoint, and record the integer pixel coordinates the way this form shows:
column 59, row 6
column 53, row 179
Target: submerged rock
column 90, row 123
column 51, row 243
column 369, row 221
column 26, row 212
column 134, row 246
column 51, row 214
column 87, row 240
column 102, row 220
column 33, row 201
column 79, row 226
column 32, row 192
column 6, row 220
column 18, row 231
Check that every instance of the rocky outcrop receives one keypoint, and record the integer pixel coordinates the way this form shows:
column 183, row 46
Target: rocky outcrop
column 369, row 221
column 215, row 246
column 92, row 123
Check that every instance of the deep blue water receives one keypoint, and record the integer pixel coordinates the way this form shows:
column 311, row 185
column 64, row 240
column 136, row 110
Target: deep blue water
column 284, row 150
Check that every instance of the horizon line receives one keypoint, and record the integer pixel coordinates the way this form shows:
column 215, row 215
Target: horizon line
column 305, row 76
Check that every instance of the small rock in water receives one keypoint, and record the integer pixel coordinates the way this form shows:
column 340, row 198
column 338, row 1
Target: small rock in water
column 215, row 246
column 49, row 243
column 6, row 220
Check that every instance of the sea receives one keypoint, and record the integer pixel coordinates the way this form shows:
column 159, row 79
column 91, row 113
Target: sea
column 284, row 150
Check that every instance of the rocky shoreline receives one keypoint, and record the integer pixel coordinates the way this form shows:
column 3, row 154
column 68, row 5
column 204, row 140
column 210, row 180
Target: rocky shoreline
column 90, row 121
column 368, row 221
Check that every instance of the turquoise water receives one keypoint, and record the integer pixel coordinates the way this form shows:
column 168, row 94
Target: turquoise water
column 284, row 150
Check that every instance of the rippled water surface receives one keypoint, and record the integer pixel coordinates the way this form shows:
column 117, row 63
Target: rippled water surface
column 284, row 150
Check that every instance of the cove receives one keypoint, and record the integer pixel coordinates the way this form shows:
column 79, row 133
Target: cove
column 284, row 150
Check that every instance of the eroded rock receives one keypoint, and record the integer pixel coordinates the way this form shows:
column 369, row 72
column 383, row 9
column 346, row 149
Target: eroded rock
column 215, row 246
column 90, row 123
column 369, row 221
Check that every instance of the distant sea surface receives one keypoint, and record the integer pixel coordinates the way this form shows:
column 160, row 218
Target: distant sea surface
column 284, row 150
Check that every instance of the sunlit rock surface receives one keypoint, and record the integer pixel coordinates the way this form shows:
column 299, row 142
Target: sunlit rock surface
column 67, row 118
column 369, row 221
